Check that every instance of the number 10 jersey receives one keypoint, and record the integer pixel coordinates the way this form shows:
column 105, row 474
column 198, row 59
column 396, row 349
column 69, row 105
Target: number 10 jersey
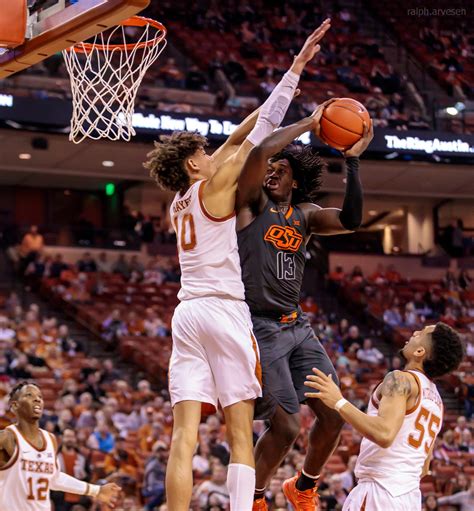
column 207, row 248
column 398, row 468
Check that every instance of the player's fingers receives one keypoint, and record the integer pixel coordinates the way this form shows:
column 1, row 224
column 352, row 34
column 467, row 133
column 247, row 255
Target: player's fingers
column 316, row 378
column 319, row 373
column 314, row 395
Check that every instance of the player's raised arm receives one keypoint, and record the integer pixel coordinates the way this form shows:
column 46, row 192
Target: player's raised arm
column 328, row 221
column 254, row 169
column 397, row 388
column 258, row 127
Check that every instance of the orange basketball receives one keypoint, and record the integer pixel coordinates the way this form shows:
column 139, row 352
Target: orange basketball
column 342, row 123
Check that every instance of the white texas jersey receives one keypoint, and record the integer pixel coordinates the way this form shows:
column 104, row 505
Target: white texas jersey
column 25, row 479
column 207, row 246
column 398, row 468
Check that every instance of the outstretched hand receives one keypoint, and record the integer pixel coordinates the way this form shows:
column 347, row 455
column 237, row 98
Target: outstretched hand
column 328, row 392
column 361, row 145
column 109, row 494
column 318, row 113
column 310, row 47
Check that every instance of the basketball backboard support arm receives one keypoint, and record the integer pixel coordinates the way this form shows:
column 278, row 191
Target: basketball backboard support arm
column 77, row 22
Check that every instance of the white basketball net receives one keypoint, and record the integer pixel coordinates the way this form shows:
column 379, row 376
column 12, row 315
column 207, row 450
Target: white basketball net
column 105, row 80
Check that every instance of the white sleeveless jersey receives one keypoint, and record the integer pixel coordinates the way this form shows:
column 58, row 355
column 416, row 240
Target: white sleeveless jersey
column 398, row 468
column 25, row 479
column 207, row 247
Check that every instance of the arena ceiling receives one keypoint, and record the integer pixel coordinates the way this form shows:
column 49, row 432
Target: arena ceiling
column 66, row 165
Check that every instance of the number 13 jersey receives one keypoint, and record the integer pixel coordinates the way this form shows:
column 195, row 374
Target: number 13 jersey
column 273, row 254
column 207, row 248
column 398, row 468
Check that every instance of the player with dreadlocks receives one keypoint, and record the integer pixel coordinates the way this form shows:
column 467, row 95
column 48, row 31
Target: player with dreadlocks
column 28, row 464
column 274, row 224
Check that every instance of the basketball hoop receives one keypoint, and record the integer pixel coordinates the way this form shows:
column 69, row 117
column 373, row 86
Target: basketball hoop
column 105, row 76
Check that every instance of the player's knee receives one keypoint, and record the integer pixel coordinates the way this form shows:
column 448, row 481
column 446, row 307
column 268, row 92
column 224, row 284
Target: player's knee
column 288, row 429
column 331, row 421
column 240, row 439
column 184, row 439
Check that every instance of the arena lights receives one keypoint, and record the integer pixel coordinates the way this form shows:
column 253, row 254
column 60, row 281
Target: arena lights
column 452, row 110
column 109, row 189
column 372, row 212
column 108, row 163
column 24, row 156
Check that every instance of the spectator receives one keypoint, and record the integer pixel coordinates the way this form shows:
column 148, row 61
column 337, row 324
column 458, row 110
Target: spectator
column 416, row 122
column 73, row 463
column 464, row 279
column 113, row 328
column 393, row 317
column 121, row 266
column 348, row 478
column 121, row 463
column 103, row 264
column 214, row 491
column 67, row 343
column 431, row 503
column 171, row 74
column 102, row 438
column 336, row 494
column 411, row 316
column 86, row 264
column 154, row 478
column 31, row 245
column 369, row 354
column 134, row 324
column 195, row 80
column 153, row 326
column 57, row 266
column 354, row 340
column 7, row 334
column 464, row 500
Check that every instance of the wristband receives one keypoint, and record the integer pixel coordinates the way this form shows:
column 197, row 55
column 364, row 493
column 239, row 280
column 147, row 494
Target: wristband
column 92, row 490
column 340, row 404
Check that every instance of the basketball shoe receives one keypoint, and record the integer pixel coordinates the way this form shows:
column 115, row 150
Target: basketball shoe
column 260, row 505
column 300, row 500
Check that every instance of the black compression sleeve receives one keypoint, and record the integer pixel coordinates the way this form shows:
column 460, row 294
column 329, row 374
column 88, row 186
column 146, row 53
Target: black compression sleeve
column 351, row 213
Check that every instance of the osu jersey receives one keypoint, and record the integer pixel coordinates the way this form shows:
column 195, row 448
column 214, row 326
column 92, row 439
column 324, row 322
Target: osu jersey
column 272, row 253
column 25, row 479
column 207, row 248
column 398, row 468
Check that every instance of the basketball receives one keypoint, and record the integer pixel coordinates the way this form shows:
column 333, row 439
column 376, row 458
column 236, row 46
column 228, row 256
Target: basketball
column 342, row 123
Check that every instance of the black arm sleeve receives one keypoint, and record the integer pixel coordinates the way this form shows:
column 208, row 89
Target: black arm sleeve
column 351, row 213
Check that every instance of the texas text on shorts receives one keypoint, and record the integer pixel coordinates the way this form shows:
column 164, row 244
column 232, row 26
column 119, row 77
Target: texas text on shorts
column 274, row 224
column 215, row 357
column 403, row 419
column 28, row 464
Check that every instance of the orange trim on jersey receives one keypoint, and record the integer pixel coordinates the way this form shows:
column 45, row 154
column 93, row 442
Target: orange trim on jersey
column 289, row 212
column 374, row 395
column 204, row 210
column 420, row 392
column 258, row 366
column 45, row 442
column 15, row 455
column 364, row 504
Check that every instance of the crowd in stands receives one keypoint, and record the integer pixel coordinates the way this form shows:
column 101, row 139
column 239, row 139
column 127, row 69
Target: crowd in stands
column 112, row 427
column 243, row 48
column 444, row 44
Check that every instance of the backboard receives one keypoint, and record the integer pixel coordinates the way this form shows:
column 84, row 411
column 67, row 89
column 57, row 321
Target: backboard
column 54, row 25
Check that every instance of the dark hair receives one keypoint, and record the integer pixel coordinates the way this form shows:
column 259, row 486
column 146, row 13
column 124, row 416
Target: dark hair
column 307, row 169
column 447, row 351
column 17, row 389
column 166, row 161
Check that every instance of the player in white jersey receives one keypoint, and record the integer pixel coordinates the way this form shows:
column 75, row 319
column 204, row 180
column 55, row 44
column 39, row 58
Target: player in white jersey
column 28, row 465
column 214, row 356
column 402, row 422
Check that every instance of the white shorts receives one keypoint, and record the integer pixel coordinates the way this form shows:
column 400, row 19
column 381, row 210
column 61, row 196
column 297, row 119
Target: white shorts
column 370, row 496
column 215, row 355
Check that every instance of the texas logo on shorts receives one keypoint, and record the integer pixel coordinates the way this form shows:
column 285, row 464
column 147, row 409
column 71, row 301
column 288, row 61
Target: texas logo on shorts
column 284, row 238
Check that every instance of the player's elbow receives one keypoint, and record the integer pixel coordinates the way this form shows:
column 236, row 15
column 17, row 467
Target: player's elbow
column 350, row 222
